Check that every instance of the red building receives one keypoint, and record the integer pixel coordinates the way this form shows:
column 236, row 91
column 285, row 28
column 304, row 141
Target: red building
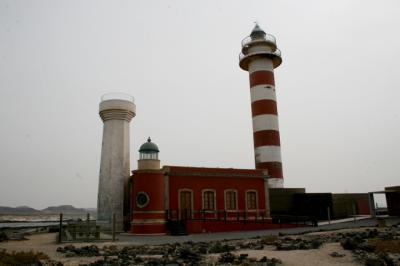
column 205, row 199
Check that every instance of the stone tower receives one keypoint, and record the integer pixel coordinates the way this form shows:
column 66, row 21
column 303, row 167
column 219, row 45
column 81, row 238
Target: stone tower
column 260, row 56
column 116, row 111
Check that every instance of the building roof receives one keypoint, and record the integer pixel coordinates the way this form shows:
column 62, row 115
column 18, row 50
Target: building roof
column 211, row 171
column 149, row 147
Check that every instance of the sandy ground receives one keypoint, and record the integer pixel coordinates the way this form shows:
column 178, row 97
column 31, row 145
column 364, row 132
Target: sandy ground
column 46, row 243
column 306, row 257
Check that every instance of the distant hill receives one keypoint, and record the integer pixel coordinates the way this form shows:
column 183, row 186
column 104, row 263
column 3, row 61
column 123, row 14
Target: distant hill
column 67, row 209
column 18, row 210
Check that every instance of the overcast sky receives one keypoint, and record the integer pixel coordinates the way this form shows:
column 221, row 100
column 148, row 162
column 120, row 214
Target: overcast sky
column 338, row 90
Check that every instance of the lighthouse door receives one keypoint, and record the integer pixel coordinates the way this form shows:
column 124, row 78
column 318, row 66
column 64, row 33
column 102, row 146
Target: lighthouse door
column 185, row 206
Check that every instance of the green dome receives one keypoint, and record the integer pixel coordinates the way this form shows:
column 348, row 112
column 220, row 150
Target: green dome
column 149, row 147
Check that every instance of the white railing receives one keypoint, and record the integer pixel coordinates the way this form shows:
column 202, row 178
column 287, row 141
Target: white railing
column 277, row 52
column 117, row 96
column 267, row 38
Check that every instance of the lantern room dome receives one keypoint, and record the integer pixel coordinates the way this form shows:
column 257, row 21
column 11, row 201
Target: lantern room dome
column 257, row 32
column 149, row 147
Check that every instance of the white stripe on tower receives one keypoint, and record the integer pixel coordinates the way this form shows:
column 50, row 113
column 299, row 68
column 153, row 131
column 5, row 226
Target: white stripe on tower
column 263, row 92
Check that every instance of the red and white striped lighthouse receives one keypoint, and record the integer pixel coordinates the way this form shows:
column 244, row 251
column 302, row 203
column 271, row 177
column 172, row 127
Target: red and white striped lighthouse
column 260, row 56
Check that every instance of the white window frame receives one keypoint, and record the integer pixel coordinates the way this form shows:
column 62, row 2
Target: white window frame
column 203, row 199
column 236, row 199
column 251, row 190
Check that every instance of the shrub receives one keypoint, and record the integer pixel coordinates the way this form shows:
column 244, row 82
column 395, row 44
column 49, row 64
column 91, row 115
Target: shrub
column 21, row 258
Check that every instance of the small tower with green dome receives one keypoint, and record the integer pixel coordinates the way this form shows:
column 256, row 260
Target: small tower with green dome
column 148, row 156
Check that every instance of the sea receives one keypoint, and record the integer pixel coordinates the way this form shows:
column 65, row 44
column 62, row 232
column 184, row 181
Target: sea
column 38, row 220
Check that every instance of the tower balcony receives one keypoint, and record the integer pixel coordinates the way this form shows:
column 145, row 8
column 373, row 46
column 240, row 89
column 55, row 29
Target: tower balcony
column 117, row 96
column 245, row 58
column 117, row 105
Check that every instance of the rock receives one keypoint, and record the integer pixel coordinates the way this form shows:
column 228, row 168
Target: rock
column 219, row 248
column 274, row 261
column 372, row 233
column 270, row 262
column 138, row 260
column 286, row 246
column 366, row 247
column 259, row 247
column 350, row 243
column 201, row 248
column 316, row 243
column 336, row 255
column 269, row 240
column 373, row 260
column 69, row 247
column 243, row 256
column 244, row 245
column 187, row 254
column 3, row 236
column 386, row 258
column 69, row 254
column 227, row 257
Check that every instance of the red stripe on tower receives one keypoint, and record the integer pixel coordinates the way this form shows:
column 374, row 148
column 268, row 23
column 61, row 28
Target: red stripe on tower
column 274, row 167
column 262, row 77
column 266, row 138
column 262, row 107
column 259, row 57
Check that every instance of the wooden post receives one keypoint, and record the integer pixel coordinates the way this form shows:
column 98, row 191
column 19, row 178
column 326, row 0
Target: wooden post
column 329, row 215
column 113, row 227
column 60, row 229
column 87, row 227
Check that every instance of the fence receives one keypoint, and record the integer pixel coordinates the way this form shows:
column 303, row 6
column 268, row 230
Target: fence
column 244, row 216
column 84, row 230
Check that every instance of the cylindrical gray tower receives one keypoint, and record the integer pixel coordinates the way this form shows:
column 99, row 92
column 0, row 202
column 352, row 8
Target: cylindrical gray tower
column 116, row 111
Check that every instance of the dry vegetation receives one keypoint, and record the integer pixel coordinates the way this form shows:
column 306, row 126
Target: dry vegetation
column 22, row 258
column 391, row 246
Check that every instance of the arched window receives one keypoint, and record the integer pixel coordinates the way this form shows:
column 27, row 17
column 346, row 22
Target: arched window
column 230, row 200
column 251, row 200
column 208, row 200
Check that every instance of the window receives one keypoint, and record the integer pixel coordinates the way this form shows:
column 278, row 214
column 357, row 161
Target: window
column 251, row 200
column 209, row 200
column 230, row 200
column 146, row 156
column 142, row 199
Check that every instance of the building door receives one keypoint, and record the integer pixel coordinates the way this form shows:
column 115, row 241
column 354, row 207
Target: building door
column 185, row 207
